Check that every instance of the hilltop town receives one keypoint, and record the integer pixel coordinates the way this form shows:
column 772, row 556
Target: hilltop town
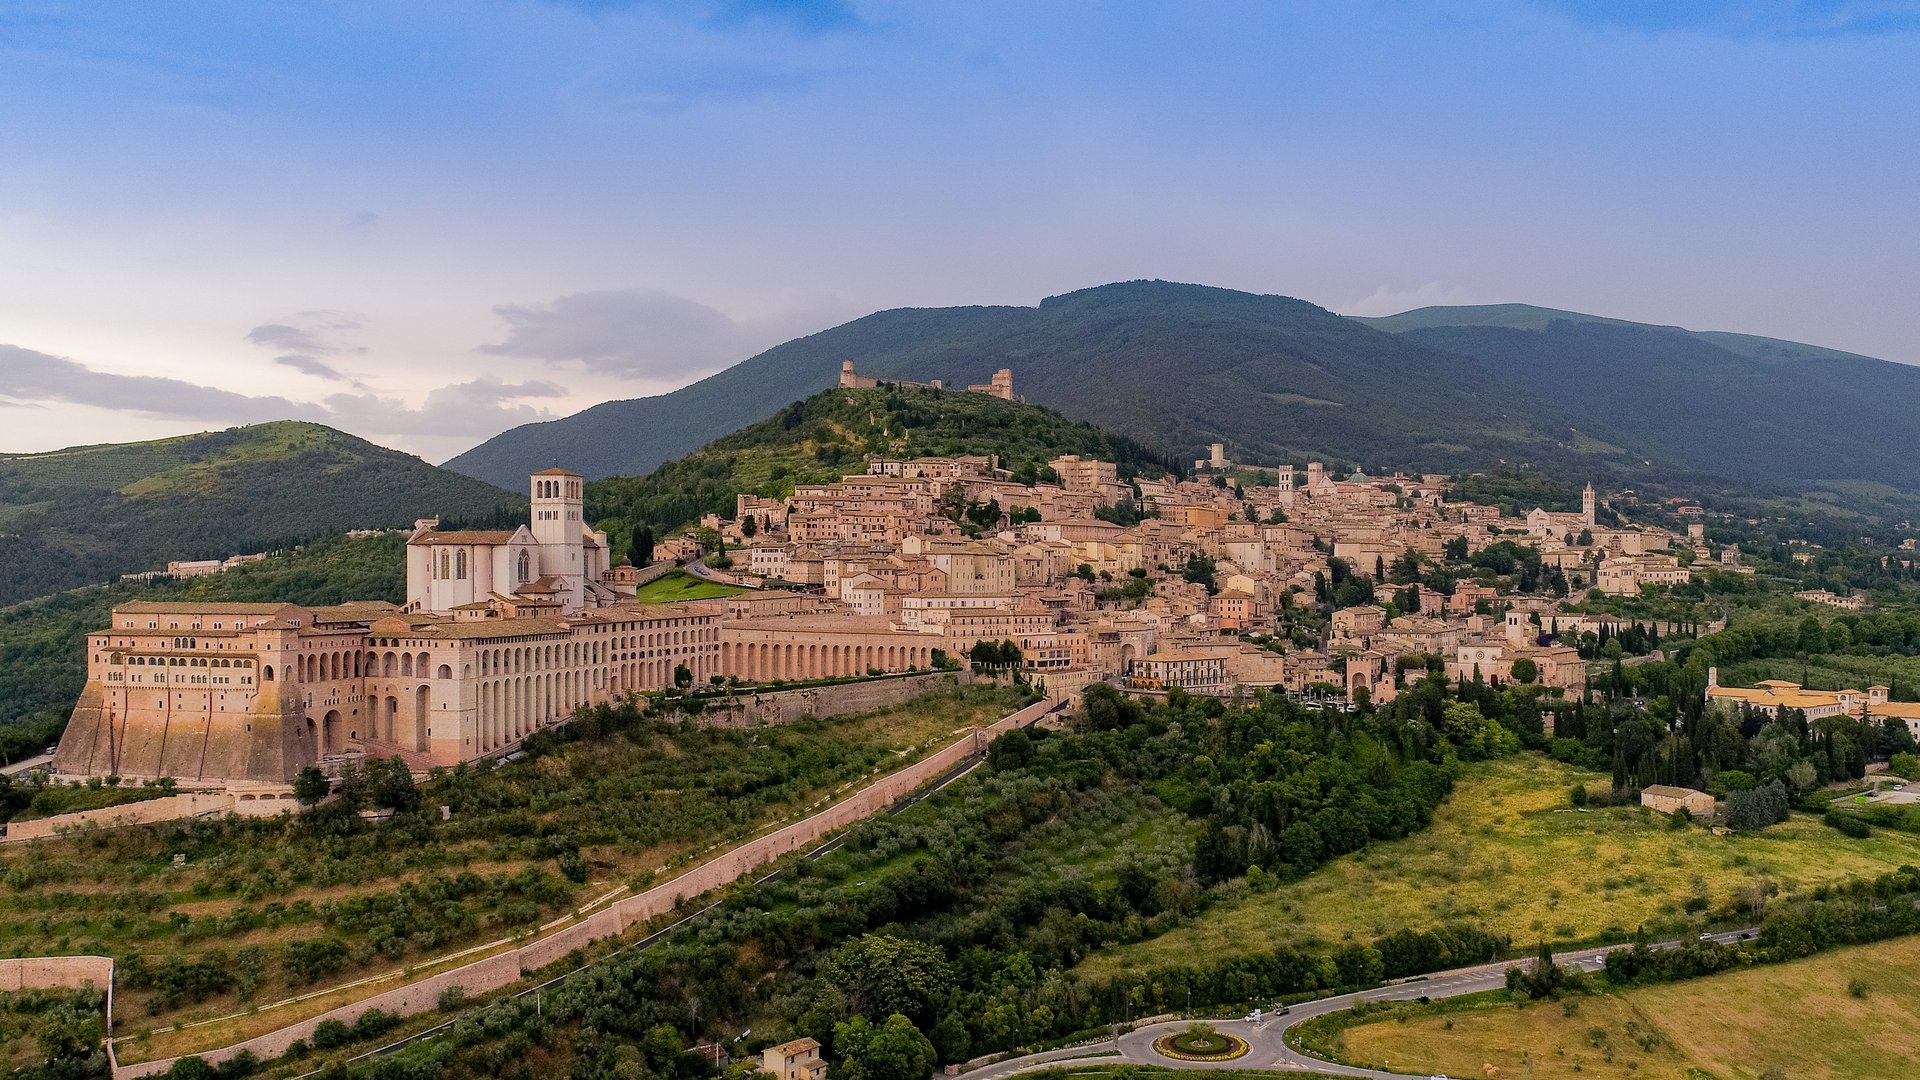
column 1076, row 575
column 566, row 727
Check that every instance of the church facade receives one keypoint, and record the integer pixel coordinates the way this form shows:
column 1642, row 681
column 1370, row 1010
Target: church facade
column 556, row 557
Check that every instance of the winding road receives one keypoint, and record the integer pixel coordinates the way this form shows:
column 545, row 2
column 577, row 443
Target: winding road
column 1267, row 1038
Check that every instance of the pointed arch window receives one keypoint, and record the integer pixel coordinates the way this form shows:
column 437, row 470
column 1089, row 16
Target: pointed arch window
column 460, row 565
column 526, row 568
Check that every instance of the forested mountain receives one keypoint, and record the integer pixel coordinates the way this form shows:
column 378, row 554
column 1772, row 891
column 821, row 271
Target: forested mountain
column 832, row 433
column 1831, row 430
column 1280, row 380
column 1175, row 366
column 1529, row 317
column 90, row 513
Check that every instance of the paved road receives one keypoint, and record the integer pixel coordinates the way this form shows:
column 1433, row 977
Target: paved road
column 25, row 764
column 1266, row 1040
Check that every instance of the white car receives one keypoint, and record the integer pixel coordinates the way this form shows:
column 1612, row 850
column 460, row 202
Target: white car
column 1254, row 1016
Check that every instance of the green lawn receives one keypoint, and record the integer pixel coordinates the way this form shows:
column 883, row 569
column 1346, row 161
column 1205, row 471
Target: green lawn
column 679, row 585
column 1506, row 854
column 1803, row 1019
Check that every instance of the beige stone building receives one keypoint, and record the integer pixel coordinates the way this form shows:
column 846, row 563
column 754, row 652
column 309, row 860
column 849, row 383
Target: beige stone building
column 796, row 1060
column 1665, row 799
column 1197, row 672
column 214, row 694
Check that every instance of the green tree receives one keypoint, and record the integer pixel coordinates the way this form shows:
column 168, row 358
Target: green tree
column 1904, row 765
column 1010, row 750
column 1813, row 636
column 1199, row 570
column 393, row 785
column 749, row 526
column 642, row 553
column 1525, row 671
column 893, row 1050
column 310, row 785
column 682, row 676
column 879, row 975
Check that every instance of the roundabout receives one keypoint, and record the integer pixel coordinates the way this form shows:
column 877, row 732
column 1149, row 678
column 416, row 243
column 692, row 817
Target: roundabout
column 1200, row 1042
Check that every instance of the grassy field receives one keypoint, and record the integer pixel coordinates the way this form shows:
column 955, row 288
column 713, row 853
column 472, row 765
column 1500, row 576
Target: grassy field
column 1804, row 1019
column 526, row 842
column 1504, row 853
column 679, row 585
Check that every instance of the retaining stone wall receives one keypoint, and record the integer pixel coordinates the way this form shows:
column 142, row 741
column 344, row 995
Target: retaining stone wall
column 150, row 811
column 838, row 699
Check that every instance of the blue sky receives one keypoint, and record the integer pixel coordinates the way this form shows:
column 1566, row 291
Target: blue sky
column 427, row 222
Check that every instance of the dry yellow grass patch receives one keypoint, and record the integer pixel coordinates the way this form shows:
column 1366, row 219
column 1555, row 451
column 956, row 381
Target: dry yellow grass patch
column 1506, row 853
column 1799, row 1018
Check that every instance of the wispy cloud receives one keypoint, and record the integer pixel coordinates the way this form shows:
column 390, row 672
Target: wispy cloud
column 304, row 338
column 33, row 379
column 307, row 365
column 809, row 15
column 29, row 376
column 1747, row 18
column 461, row 409
column 1392, row 300
column 643, row 334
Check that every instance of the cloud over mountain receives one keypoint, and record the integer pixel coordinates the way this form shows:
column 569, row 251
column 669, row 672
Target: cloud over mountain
column 640, row 333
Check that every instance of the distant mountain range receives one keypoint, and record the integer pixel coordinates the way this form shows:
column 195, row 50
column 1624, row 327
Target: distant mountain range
column 90, row 513
column 1281, row 380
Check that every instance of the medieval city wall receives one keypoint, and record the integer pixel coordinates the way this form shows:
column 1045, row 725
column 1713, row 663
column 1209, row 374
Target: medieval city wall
column 503, row 969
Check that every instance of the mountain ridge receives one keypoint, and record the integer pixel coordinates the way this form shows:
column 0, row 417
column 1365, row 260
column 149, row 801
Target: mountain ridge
column 1534, row 317
column 86, row 514
column 1279, row 379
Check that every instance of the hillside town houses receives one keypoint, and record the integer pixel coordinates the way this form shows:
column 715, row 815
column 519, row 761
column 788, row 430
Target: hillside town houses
column 507, row 631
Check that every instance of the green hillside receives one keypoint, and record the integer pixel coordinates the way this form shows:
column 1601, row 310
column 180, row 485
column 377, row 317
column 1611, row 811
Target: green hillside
column 88, row 514
column 1830, row 431
column 42, row 661
column 834, row 433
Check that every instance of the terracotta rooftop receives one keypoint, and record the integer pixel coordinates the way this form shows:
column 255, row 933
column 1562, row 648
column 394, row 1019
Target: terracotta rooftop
column 163, row 607
column 464, row 536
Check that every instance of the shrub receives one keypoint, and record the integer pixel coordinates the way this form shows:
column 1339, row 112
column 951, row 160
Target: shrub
column 331, row 1035
column 1847, row 824
column 374, row 1023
